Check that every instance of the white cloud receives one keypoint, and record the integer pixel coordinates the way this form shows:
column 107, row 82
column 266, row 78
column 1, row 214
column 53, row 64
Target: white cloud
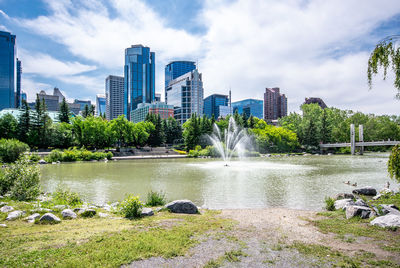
column 31, row 87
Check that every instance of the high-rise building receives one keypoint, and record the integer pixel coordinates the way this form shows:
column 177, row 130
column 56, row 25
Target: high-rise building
column 24, row 97
column 318, row 101
column 186, row 93
column 18, row 92
column 51, row 101
column 160, row 108
column 115, row 97
column 83, row 103
column 177, row 68
column 7, row 70
column 252, row 107
column 100, row 104
column 213, row 103
column 57, row 92
column 275, row 104
column 158, row 97
column 139, row 74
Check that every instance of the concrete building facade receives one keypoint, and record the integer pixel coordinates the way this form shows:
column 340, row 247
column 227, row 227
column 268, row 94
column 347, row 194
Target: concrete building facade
column 115, row 103
column 275, row 104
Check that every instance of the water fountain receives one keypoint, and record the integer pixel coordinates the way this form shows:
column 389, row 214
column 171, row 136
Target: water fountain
column 234, row 140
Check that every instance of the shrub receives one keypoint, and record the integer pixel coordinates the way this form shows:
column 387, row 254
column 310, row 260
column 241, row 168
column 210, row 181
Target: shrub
column 64, row 196
column 394, row 163
column 54, row 156
column 131, row 207
column 11, row 150
column 330, row 203
column 34, row 157
column 22, row 180
column 75, row 154
column 155, row 199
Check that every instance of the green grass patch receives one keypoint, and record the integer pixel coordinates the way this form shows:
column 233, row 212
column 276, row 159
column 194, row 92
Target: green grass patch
column 230, row 256
column 387, row 199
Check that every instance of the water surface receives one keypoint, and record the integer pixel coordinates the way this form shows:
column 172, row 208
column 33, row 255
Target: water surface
column 294, row 182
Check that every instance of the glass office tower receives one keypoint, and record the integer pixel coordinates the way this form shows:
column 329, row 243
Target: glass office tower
column 7, row 70
column 212, row 104
column 139, row 75
column 252, row 107
column 177, row 68
column 100, row 104
column 18, row 93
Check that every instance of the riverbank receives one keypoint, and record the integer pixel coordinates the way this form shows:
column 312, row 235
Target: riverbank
column 271, row 237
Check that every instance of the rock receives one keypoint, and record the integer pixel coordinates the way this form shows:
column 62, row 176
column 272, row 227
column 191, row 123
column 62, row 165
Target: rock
column 363, row 212
column 15, row 215
column 389, row 220
column 92, row 207
column 182, row 206
column 88, row 213
column 342, row 203
column 60, row 207
column 2, row 204
column 79, row 210
column 390, row 209
column 6, row 209
column 68, row 214
column 41, row 210
column 41, row 161
column 49, row 218
column 103, row 215
column 376, row 197
column 114, row 205
column 147, row 212
column 368, row 190
column 107, row 207
column 344, row 196
column 32, row 217
column 361, row 203
column 3, row 225
column 386, row 191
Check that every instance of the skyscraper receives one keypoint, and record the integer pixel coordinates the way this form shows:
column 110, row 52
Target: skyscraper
column 139, row 71
column 18, row 93
column 186, row 93
column 177, row 68
column 100, row 104
column 275, row 104
column 7, row 70
column 115, row 98
column 252, row 107
column 213, row 103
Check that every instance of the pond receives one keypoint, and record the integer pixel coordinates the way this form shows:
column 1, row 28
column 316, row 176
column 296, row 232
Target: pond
column 299, row 182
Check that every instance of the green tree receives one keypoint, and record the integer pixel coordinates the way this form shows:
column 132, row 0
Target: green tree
column 394, row 163
column 325, row 127
column 64, row 114
column 40, row 124
column 122, row 130
column 24, row 122
column 141, row 132
column 8, row 126
column 245, row 120
column 192, row 132
column 157, row 136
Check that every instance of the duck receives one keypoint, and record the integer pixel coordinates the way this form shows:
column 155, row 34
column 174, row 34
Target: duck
column 346, row 182
column 354, row 184
column 387, row 185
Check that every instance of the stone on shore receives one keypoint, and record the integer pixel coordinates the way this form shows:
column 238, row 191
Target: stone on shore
column 361, row 203
column 367, row 190
column 32, row 218
column 147, row 212
column 6, row 209
column 2, row 204
column 389, row 220
column 60, row 207
column 103, row 215
column 88, row 213
column 390, row 209
column 362, row 212
column 342, row 203
column 68, row 214
column 182, row 206
column 49, row 218
column 344, row 196
column 3, row 225
column 15, row 215
column 41, row 161
column 79, row 210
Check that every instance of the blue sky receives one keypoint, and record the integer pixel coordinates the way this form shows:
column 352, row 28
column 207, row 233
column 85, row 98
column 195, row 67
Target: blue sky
column 313, row 48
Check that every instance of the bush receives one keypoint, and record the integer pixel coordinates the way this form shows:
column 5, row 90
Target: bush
column 394, row 163
column 330, row 203
column 131, row 207
column 11, row 150
column 155, row 199
column 54, row 156
column 64, row 196
column 21, row 180
column 75, row 154
column 34, row 157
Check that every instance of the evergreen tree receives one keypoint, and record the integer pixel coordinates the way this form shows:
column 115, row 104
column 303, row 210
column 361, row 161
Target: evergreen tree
column 325, row 128
column 86, row 111
column 244, row 119
column 24, row 122
column 251, row 121
column 157, row 136
column 63, row 116
column 40, row 124
column 92, row 110
column 311, row 137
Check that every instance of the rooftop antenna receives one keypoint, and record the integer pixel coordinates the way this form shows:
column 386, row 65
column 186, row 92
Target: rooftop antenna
column 230, row 97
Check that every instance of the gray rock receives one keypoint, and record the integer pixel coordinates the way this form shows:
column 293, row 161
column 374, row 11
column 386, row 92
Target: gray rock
column 376, row 197
column 389, row 220
column 32, row 217
column 41, row 210
column 182, row 206
column 361, row 203
column 103, row 215
column 12, row 216
column 367, row 190
column 68, row 214
column 107, row 207
column 6, row 209
column 79, row 210
column 41, row 161
column 60, row 207
column 342, row 203
column 114, row 205
column 390, row 209
column 2, row 204
column 3, row 225
column 344, row 196
column 49, row 218
column 386, row 191
column 87, row 213
column 362, row 212
column 147, row 212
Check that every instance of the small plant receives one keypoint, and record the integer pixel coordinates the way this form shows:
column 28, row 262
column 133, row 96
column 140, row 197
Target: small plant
column 394, row 163
column 11, row 150
column 34, row 157
column 64, row 196
column 330, row 203
column 131, row 207
column 54, row 156
column 155, row 199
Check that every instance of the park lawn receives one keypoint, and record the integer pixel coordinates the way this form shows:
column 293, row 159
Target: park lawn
column 108, row 242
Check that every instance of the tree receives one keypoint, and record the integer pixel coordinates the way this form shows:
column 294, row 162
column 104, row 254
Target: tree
column 157, row 136
column 141, row 132
column 24, row 122
column 40, row 124
column 325, row 128
column 244, row 119
column 386, row 54
column 394, row 163
column 92, row 110
column 8, row 126
column 120, row 127
column 86, row 111
column 192, row 132
column 64, row 114
column 173, row 130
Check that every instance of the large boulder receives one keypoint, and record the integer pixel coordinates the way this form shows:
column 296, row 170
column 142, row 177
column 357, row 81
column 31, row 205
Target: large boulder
column 49, row 218
column 342, row 203
column 6, row 209
column 68, row 214
column 367, row 190
column 389, row 220
column 344, row 196
column 182, row 206
column 362, row 212
column 390, row 209
column 361, row 203
column 32, row 218
column 15, row 215
column 88, row 213
column 147, row 212
column 2, row 204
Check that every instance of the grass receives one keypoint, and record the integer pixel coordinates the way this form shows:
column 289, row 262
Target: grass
column 230, row 256
column 155, row 199
column 329, row 203
column 387, row 199
column 103, row 242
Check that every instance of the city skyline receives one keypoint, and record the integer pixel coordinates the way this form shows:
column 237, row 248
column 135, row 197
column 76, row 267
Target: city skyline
column 323, row 58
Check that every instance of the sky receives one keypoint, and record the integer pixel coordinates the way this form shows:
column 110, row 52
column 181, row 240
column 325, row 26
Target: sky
column 307, row 48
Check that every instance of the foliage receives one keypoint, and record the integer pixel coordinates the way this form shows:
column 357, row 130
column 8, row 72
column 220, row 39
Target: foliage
column 8, row 126
column 21, row 180
column 11, row 150
column 74, row 154
column 24, row 122
column 40, row 123
column 386, row 54
column 157, row 135
column 192, row 132
column 394, row 163
column 64, row 112
column 329, row 203
column 131, row 207
column 173, row 131
column 61, row 135
column 64, row 196
column 92, row 132
column 207, row 151
column 34, row 157
column 155, row 199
